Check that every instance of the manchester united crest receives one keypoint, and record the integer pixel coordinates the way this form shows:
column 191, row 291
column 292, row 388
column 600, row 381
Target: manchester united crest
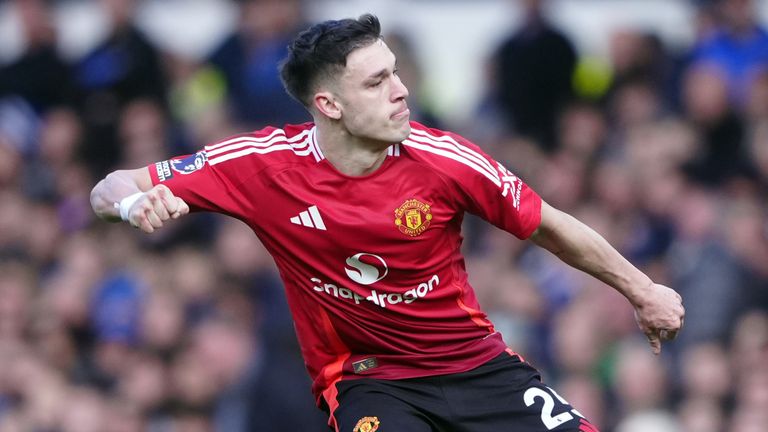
column 367, row 424
column 413, row 217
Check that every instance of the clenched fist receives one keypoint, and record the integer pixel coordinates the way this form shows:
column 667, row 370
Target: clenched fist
column 154, row 207
column 660, row 315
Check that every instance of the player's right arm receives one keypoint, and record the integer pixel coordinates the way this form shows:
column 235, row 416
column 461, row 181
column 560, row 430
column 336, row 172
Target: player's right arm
column 210, row 180
column 129, row 195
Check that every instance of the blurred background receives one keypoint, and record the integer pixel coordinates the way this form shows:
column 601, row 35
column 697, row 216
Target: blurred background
column 648, row 120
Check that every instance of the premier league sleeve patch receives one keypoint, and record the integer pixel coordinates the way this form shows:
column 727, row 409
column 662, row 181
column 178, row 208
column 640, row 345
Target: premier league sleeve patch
column 189, row 164
column 163, row 170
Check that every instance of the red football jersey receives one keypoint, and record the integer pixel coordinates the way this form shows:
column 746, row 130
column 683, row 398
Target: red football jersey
column 371, row 265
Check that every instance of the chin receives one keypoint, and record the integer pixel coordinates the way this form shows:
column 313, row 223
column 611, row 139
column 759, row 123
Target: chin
column 392, row 134
column 404, row 131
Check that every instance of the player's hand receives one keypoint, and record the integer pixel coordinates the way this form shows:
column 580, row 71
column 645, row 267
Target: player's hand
column 156, row 206
column 660, row 315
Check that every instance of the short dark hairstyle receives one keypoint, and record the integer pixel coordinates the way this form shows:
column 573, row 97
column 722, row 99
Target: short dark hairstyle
column 322, row 50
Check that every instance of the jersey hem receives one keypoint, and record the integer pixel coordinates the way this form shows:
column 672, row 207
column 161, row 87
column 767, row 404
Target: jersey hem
column 408, row 373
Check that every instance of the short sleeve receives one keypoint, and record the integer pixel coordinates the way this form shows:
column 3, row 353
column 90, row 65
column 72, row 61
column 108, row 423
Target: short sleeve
column 205, row 185
column 512, row 205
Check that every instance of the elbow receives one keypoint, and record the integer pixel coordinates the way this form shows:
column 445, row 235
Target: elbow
column 101, row 204
column 98, row 201
column 95, row 194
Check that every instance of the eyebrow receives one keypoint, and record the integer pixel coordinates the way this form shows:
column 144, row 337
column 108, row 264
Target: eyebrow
column 380, row 74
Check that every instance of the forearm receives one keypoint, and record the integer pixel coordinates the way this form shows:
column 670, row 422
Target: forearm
column 581, row 247
column 659, row 310
column 112, row 189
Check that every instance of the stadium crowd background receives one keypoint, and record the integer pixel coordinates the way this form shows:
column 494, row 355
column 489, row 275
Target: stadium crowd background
column 663, row 150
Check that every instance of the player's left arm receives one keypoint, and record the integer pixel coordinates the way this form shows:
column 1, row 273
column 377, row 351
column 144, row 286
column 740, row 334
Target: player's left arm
column 658, row 309
column 130, row 194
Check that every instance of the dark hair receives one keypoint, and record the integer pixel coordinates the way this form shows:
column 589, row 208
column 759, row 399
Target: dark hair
column 322, row 50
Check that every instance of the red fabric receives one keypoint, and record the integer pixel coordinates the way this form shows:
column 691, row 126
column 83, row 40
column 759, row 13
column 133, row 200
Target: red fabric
column 373, row 273
column 586, row 426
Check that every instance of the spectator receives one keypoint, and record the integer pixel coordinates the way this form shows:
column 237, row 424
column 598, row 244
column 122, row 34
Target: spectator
column 641, row 388
column 533, row 70
column 39, row 76
column 703, row 270
column 249, row 58
column 705, row 101
column 123, row 68
column 738, row 47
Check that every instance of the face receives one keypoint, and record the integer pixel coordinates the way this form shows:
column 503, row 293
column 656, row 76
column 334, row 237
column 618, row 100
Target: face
column 739, row 13
column 370, row 97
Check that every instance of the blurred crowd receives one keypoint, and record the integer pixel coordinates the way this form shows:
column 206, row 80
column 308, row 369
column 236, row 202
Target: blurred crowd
column 665, row 153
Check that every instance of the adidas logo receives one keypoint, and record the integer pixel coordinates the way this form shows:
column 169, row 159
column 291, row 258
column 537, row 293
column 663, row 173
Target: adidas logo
column 309, row 218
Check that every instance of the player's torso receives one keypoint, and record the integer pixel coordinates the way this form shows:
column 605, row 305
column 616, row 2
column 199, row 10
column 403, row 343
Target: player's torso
column 384, row 241
column 371, row 264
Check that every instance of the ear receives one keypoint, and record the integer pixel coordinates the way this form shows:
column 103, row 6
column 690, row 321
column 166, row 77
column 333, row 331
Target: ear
column 327, row 104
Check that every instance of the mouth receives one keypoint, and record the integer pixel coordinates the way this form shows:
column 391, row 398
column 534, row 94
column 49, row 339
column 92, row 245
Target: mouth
column 403, row 113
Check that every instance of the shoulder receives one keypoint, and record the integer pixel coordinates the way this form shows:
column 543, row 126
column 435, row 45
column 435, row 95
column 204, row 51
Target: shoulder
column 437, row 138
column 268, row 146
column 449, row 153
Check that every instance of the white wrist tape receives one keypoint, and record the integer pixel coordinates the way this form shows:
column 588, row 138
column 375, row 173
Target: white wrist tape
column 126, row 204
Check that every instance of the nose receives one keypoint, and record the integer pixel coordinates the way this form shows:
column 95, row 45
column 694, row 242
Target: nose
column 399, row 90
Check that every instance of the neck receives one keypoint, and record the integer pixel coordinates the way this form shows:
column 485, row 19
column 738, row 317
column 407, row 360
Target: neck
column 350, row 155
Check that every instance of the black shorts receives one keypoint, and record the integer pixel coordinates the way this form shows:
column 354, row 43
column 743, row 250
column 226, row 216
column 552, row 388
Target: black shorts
column 504, row 394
